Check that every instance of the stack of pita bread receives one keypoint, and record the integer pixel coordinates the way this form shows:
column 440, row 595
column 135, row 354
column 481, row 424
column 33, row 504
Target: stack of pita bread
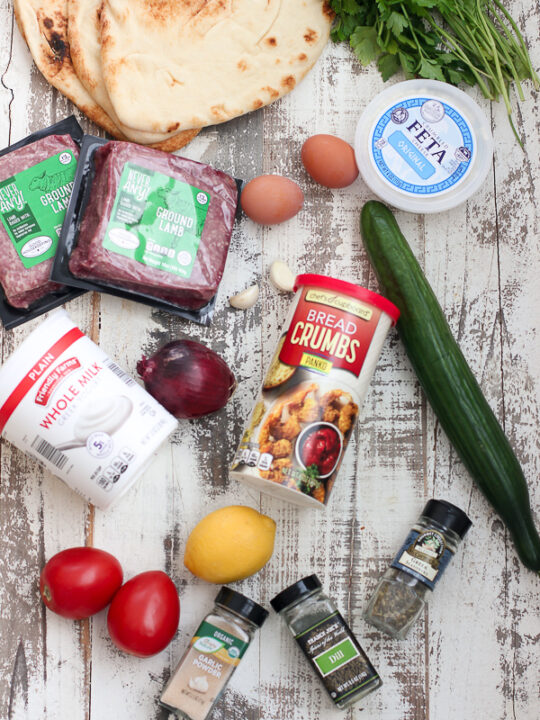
column 156, row 71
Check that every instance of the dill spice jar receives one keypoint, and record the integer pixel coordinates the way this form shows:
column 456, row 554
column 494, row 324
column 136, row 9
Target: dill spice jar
column 213, row 655
column 327, row 641
column 401, row 594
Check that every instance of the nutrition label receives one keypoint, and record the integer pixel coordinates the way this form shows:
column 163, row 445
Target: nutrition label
column 254, row 458
column 113, row 472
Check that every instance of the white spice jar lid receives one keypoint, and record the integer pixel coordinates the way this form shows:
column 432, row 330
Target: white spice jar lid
column 423, row 146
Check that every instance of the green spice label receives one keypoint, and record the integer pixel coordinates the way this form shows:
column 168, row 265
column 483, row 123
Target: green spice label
column 33, row 206
column 157, row 220
column 336, row 655
column 215, row 641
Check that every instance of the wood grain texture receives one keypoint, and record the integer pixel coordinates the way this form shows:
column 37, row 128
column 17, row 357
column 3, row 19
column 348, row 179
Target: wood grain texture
column 476, row 652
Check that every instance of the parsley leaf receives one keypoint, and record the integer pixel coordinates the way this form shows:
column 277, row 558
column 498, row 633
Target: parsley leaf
column 396, row 23
column 364, row 43
column 310, row 479
column 388, row 65
column 408, row 64
column 430, row 69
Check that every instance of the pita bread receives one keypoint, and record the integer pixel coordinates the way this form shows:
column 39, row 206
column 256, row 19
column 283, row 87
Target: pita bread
column 43, row 25
column 85, row 51
column 178, row 64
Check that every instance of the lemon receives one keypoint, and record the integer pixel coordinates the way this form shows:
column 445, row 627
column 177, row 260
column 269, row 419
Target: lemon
column 230, row 544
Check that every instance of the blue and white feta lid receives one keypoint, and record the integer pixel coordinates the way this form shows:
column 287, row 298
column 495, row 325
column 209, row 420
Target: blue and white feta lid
column 423, row 146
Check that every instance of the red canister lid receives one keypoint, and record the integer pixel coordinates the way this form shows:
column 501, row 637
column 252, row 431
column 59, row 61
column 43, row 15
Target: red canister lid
column 347, row 288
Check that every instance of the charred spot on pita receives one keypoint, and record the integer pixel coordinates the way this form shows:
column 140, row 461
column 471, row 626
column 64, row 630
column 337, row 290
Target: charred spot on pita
column 218, row 111
column 288, row 82
column 171, row 79
column 327, row 10
column 59, row 48
column 310, row 36
column 271, row 91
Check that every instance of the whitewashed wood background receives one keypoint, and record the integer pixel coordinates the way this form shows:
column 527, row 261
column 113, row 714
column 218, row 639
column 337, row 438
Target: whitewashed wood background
column 475, row 654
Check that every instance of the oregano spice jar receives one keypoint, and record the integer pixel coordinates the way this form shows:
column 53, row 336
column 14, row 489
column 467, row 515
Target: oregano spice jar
column 401, row 593
column 327, row 641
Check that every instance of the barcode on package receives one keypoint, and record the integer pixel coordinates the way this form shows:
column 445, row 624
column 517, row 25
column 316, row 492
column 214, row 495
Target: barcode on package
column 49, row 452
column 120, row 373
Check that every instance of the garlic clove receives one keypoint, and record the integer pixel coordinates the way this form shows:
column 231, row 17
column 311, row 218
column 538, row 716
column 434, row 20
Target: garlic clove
column 281, row 276
column 245, row 299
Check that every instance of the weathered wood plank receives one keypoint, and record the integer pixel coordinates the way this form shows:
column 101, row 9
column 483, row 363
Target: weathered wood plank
column 475, row 652
column 190, row 478
column 39, row 515
column 517, row 183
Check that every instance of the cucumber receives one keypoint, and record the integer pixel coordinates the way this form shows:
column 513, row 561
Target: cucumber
column 447, row 380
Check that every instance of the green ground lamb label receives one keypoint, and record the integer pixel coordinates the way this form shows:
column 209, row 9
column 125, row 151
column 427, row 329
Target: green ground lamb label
column 157, row 220
column 33, row 206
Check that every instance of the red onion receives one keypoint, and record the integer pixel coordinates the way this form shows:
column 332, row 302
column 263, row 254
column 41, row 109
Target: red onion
column 187, row 378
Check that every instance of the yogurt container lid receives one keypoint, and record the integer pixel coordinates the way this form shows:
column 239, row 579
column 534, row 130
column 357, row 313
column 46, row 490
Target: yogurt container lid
column 348, row 288
column 423, row 146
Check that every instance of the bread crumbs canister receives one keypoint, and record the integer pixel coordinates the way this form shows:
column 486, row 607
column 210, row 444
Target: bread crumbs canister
column 306, row 410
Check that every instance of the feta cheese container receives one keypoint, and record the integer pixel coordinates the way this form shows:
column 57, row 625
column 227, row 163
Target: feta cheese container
column 67, row 404
column 423, row 146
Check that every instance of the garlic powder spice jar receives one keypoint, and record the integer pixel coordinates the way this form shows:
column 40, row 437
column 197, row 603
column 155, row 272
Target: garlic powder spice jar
column 214, row 653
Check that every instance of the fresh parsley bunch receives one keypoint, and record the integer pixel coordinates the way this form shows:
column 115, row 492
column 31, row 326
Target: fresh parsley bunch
column 472, row 41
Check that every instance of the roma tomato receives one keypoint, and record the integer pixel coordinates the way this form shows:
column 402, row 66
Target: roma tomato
column 144, row 614
column 80, row 581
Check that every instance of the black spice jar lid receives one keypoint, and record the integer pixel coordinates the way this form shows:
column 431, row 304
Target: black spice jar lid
column 242, row 605
column 448, row 515
column 295, row 592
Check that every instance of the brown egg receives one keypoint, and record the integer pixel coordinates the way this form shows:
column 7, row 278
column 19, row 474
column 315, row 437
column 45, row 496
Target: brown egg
column 270, row 199
column 330, row 161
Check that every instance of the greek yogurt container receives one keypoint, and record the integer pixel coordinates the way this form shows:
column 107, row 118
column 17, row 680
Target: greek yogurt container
column 66, row 403
column 423, row 146
column 305, row 414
